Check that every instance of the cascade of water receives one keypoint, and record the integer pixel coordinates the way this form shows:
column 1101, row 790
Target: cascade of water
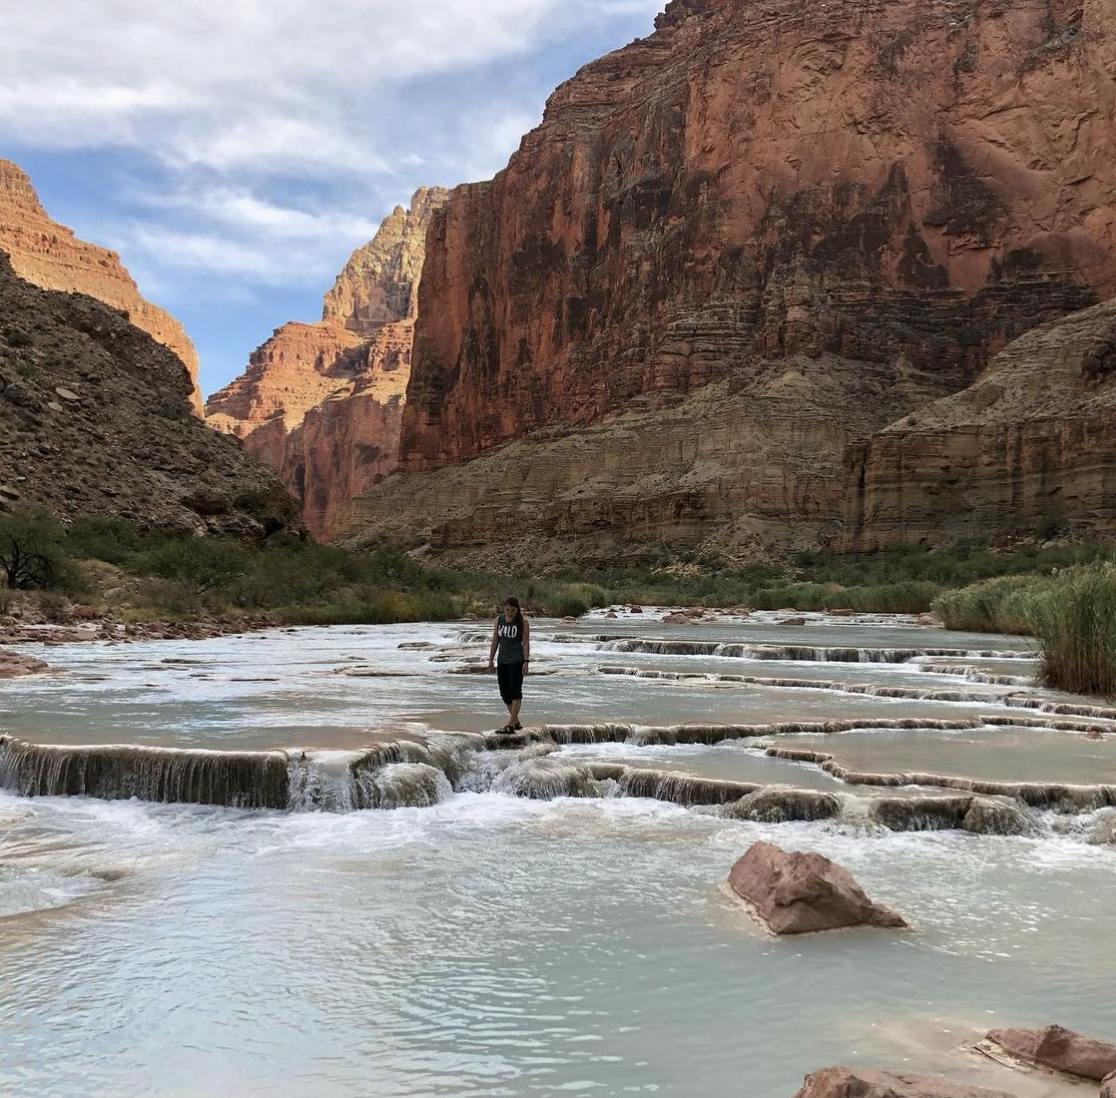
column 238, row 779
column 793, row 652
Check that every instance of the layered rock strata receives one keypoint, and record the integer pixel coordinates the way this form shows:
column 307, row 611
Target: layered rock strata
column 96, row 419
column 736, row 247
column 49, row 255
column 1030, row 446
column 322, row 404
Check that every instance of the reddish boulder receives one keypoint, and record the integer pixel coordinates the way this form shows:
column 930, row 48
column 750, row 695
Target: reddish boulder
column 799, row 893
column 13, row 665
column 843, row 1082
column 1059, row 1049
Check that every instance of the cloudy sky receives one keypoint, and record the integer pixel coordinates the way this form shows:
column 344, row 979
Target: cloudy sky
column 236, row 151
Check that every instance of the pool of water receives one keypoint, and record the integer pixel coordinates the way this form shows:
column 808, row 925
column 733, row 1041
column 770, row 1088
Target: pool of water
column 492, row 945
column 995, row 754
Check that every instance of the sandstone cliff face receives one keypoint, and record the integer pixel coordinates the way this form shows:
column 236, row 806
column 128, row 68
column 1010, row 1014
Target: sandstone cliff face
column 96, row 418
column 903, row 186
column 49, row 255
column 1030, row 445
column 322, row 404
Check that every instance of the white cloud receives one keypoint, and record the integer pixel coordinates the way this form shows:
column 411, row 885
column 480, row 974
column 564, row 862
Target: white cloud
column 282, row 86
column 242, row 148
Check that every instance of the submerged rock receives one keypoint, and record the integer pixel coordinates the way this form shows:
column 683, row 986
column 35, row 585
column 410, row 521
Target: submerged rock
column 775, row 804
column 1104, row 829
column 1059, row 1049
column 793, row 892
column 991, row 816
column 843, row 1082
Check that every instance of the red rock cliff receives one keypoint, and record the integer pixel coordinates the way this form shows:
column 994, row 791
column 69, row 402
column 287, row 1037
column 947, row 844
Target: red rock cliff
column 47, row 254
column 877, row 180
column 828, row 210
column 322, row 403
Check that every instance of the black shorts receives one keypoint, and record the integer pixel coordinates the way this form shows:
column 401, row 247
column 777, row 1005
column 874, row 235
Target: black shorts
column 510, row 678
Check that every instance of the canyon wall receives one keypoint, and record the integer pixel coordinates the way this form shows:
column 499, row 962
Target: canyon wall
column 322, row 404
column 829, row 213
column 96, row 418
column 1030, row 447
column 49, row 255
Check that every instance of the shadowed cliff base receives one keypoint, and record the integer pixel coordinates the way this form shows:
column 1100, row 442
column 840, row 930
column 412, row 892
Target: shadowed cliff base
column 96, row 417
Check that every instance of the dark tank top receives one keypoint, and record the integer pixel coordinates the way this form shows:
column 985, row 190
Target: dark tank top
column 510, row 636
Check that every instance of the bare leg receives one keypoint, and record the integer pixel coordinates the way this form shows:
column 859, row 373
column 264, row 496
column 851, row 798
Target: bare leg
column 513, row 710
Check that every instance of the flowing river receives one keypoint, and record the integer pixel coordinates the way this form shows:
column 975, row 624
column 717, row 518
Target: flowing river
column 410, row 907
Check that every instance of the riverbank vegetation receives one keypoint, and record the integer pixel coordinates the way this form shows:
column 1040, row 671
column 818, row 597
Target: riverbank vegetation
column 1064, row 594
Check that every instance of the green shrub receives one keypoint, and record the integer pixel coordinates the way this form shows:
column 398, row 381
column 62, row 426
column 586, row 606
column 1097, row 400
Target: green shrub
column 905, row 597
column 207, row 562
column 1076, row 627
column 102, row 537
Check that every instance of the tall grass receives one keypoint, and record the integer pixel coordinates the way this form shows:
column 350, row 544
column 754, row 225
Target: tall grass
column 1009, row 604
column 1077, row 629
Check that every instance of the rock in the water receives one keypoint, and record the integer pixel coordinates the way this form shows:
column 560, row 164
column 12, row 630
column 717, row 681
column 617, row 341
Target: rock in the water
column 843, row 1082
column 14, row 664
column 1104, row 828
column 774, row 804
column 799, row 893
column 997, row 816
column 1059, row 1049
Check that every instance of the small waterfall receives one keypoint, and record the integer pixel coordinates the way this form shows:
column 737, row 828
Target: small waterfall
column 973, row 674
column 793, row 652
column 544, row 778
column 237, row 779
column 979, row 815
column 1068, row 709
column 783, row 804
column 664, row 785
column 1057, row 797
column 1050, row 724
column 386, row 776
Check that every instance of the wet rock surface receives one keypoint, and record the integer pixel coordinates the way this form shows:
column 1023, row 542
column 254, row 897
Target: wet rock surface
column 802, row 893
column 1058, row 1049
column 14, row 665
column 843, row 1082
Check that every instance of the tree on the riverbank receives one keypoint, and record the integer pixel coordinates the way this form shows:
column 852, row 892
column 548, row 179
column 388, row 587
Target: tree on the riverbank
column 31, row 553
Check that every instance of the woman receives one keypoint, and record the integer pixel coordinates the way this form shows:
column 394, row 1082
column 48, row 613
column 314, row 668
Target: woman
column 511, row 636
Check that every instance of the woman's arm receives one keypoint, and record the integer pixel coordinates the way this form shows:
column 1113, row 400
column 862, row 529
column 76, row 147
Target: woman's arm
column 526, row 642
column 493, row 646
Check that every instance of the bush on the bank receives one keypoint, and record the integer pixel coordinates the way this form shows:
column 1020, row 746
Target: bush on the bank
column 1008, row 604
column 1076, row 626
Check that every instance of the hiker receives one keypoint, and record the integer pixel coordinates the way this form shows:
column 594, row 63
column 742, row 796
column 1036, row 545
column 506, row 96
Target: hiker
column 511, row 636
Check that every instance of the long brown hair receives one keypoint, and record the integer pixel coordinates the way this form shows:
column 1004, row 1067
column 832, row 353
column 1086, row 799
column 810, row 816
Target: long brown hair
column 511, row 600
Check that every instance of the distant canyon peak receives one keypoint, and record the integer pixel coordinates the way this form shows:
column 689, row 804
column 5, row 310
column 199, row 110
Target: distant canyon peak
column 322, row 404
